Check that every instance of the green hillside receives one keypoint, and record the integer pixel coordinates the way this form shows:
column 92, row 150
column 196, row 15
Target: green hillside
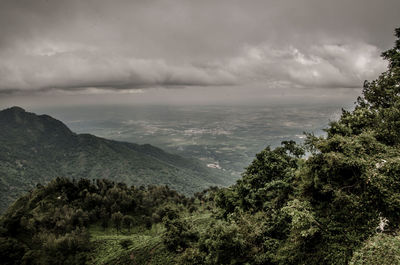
column 35, row 149
column 94, row 222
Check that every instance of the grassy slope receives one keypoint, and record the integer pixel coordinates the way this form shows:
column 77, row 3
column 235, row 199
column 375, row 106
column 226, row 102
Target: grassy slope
column 146, row 247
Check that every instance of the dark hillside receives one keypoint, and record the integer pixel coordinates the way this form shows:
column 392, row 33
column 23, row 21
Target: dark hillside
column 35, row 149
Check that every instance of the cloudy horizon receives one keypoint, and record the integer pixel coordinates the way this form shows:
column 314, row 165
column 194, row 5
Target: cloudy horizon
column 145, row 51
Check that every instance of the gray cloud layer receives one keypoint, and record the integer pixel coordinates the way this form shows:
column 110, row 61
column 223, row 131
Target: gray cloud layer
column 79, row 45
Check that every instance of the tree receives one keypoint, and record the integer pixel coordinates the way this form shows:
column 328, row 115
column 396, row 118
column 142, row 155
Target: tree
column 117, row 220
column 11, row 251
column 104, row 217
column 225, row 244
column 384, row 92
column 352, row 177
column 267, row 182
column 178, row 234
column 128, row 222
column 380, row 249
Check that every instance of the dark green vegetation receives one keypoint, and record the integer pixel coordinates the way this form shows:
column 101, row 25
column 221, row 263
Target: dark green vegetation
column 35, row 149
column 340, row 205
column 53, row 223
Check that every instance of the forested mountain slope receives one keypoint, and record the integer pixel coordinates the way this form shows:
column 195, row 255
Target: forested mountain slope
column 35, row 149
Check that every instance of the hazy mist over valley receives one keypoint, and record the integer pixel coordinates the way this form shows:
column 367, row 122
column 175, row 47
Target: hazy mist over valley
column 224, row 136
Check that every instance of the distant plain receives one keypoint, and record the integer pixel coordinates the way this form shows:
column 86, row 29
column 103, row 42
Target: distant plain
column 226, row 137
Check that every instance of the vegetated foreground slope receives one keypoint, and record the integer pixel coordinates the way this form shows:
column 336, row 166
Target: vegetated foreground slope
column 90, row 222
column 341, row 205
column 35, row 149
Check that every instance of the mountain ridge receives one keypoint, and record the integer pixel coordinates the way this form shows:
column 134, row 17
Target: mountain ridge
column 37, row 148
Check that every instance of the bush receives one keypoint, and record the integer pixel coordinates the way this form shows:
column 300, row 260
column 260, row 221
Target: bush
column 11, row 251
column 178, row 234
column 125, row 243
column 380, row 249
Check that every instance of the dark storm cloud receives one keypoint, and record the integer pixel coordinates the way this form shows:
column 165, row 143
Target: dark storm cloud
column 77, row 45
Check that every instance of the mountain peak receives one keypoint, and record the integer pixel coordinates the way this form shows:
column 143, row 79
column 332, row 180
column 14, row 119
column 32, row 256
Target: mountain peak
column 27, row 122
column 13, row 113
column 14, row 109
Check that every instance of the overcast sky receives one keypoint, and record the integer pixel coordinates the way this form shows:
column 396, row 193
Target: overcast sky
column 85, row 51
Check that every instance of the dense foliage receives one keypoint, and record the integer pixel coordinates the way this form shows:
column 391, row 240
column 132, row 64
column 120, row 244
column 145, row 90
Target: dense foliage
column 340, row 204
column 50, row 224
